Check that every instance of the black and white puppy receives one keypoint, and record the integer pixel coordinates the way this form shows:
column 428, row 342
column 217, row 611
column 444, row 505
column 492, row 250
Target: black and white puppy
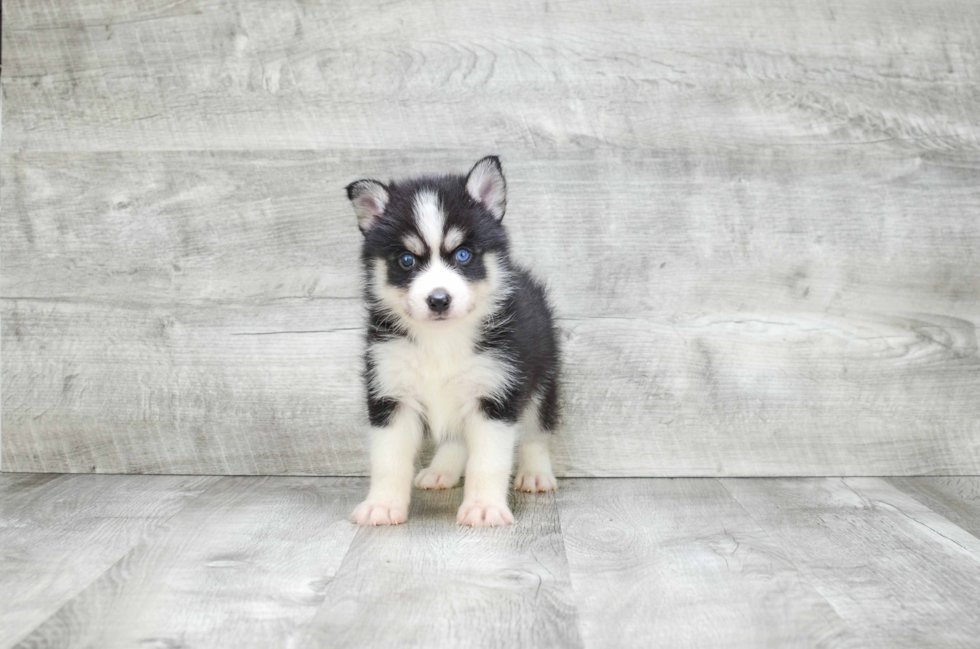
column 460, row 342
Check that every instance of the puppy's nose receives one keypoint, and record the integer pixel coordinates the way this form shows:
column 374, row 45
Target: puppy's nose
column 438, row 301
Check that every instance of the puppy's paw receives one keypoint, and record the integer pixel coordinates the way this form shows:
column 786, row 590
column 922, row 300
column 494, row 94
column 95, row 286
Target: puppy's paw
column 429, row 478
column 478, row 514
column 376, row 513
column 535, row 481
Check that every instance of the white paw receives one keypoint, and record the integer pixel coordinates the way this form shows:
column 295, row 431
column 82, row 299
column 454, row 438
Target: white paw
column 375, row 513
column 477, row 514
column 533, row 482
column 429, row 478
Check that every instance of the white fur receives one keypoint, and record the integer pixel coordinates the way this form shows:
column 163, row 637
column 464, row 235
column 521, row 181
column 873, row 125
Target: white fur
column 439, row 277
column 453, row 238
column 369, row 203
column 534, row 471
column 393, row 450
column 491, row 447
column 446, row 467
column 534, row 468
column 440, row 377
column 429, row 218
column 486, row 185
column 414, row 245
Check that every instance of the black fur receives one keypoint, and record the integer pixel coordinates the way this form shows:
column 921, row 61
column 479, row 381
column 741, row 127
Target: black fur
column 522, row 330
column 526, row 336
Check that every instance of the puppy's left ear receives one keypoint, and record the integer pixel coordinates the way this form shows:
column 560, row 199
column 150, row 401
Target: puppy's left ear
column 486, row 184
column 369, row 198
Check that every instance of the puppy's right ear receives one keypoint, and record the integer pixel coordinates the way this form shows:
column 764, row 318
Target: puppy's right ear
column 369, row 198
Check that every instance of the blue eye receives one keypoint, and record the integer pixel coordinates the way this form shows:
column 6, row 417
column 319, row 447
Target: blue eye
column 406, row 261
column 463, row 255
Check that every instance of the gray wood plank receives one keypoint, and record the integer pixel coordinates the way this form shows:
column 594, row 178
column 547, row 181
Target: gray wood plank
column 59, row 536
column 15, row 487
column 717, row 74
column 956, row 498
column 895, row 580
column 678, row 563
column 245, row 565
column 182, row 389
column 659, row 234
column 174, row 389
column 883, row 495
column 432, row 583
column 802, row 310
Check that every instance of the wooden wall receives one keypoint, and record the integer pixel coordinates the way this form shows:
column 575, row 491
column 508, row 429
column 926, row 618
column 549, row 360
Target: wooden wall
column 760, row 220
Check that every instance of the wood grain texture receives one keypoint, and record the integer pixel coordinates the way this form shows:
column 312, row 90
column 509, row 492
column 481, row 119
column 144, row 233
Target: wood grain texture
column 800, row 311
column 705, row 74
column 58, row 535
column 176, row 390
column 758, row 220
column 895, row 576
column 955, row 498
column 169, row 561
column 654, row 233
column 678, row 563
column 185, row 389
column 883, row 496
column 244, row 565
column 432, row 583
column 15, row 487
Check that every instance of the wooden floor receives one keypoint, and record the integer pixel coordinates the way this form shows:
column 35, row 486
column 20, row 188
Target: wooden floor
column 176, row 561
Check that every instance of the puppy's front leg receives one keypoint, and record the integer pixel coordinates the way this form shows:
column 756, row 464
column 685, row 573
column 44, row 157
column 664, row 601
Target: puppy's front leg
column 393, row 449
column 491, row 456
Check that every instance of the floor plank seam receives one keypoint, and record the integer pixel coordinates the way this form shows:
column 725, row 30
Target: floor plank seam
column 122, row 557
column 564, row 551
column 306, row 629
column 803, row 571
column 878, row 504
column 934, row 503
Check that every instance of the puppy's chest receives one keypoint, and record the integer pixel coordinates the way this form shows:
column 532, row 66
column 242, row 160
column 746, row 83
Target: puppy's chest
column 445, row 381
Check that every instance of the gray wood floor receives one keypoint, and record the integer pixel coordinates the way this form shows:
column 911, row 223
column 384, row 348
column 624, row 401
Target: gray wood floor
column 173, row 561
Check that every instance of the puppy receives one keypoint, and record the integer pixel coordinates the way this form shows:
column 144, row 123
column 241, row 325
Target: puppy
column 460, row 342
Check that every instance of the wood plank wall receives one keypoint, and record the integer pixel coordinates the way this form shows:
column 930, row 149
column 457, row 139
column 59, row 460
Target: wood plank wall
column 760, row 222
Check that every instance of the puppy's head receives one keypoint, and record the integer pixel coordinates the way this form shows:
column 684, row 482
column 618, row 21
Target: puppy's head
column 434, row 248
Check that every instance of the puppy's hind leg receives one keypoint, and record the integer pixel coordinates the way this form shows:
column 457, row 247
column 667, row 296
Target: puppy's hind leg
column 534, row 472
column 446, row 467
column 534, row 468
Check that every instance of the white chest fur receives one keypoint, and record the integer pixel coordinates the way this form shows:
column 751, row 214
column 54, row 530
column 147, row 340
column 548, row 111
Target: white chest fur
column 440, row 376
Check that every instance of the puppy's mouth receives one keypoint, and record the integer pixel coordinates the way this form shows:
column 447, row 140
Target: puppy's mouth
column 446, row 318
column 443, row 317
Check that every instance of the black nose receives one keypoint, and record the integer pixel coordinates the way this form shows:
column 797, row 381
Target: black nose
column 438, row 301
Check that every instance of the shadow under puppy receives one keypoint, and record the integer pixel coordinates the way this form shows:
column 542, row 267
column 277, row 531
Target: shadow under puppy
column 459, row 340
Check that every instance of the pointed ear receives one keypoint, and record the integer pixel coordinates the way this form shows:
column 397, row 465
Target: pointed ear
column 369, row 198
column 486, row 184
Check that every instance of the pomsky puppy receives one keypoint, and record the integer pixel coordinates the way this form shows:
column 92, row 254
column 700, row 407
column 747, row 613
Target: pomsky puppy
column 460, row 342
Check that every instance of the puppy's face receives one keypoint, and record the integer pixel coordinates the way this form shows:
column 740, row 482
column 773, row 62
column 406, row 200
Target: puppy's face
column 433, row 247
